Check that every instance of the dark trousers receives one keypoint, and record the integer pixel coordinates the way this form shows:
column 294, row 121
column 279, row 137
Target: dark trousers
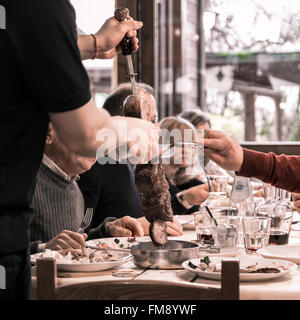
column 18, row 275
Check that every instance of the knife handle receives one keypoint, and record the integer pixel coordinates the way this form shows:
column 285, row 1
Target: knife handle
column 122, row 14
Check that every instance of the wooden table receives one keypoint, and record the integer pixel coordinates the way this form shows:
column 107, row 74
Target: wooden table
column 284, row 288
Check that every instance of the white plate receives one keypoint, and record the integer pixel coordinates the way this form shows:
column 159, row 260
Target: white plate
column 290, row 266
column 224, row 252
column 285, row 252
column 187, row 221
column 87, row 267
column 111, row 242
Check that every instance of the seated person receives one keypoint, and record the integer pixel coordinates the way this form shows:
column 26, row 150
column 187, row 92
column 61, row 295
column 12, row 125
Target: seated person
column 58, row 203
column 187, row 195
column 110, row 188
column 201, row 121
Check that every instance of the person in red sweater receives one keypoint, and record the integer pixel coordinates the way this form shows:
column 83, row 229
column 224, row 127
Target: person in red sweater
column 280, row 171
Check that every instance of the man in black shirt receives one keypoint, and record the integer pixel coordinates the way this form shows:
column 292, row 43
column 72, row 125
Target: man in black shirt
column 42, row 77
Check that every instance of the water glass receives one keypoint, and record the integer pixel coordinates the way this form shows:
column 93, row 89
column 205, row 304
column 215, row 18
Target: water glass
column 219, row 183
column 256, row 233
column 226, row 232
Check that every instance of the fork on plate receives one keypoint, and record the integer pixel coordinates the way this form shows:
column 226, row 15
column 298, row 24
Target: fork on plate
column 86, row 220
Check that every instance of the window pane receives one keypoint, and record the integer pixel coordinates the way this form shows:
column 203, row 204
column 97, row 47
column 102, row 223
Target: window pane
column 90, row 16
column 253, row 69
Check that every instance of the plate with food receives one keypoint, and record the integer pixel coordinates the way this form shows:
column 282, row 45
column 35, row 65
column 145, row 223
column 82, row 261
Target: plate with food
column 120, row 243
column 251, row 269
column 284, row 252
column 87, row 260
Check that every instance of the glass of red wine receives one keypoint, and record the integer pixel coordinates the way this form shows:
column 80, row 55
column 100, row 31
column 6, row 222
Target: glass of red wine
column 203, row 226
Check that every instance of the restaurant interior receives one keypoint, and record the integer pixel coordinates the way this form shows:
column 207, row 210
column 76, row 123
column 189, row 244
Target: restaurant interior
column 215, row 213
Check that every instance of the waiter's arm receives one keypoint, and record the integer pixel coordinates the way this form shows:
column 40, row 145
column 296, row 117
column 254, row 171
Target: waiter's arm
column 84, row 130
column 78, row 128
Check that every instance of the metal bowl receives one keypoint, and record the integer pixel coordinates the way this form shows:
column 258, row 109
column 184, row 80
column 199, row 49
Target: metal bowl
column 171, row 256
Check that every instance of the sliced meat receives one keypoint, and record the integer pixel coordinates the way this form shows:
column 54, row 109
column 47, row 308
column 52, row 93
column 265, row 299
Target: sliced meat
column 151, row 182
column 158, row 232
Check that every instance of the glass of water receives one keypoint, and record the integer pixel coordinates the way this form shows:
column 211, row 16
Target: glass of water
column 256, row 233
column 226, row 232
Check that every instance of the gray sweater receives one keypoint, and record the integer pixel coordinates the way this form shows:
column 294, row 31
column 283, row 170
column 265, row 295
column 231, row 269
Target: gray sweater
column 58, row 205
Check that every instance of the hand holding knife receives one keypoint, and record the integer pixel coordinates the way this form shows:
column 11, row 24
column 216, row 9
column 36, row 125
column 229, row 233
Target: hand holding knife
column 122, row 14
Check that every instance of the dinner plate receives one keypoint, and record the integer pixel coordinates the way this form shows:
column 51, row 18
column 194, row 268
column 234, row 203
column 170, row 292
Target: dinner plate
column 285, row 252
column 187, row 221
column 87, row 267
column 116, row 242
column 224, row 252
column 244, row 261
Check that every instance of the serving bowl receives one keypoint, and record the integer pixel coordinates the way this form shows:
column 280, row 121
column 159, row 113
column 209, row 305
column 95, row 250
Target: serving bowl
column 170, row 256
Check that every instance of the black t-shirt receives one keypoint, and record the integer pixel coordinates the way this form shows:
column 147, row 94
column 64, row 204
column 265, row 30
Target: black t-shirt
column 40, row 72
column 110, row 189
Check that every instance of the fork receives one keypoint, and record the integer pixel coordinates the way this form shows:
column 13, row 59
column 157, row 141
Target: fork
column 86, row 220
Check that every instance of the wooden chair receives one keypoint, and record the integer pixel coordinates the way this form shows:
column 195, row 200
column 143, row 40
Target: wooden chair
column 47, row 288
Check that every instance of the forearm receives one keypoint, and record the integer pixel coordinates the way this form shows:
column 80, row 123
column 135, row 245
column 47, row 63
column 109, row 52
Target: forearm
column 86, row 46
column 80, row 129
column 280, row 171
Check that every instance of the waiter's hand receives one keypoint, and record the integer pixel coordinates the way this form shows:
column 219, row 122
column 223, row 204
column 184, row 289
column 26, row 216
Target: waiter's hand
column 125, row 227
column 224, row 150
column 67, row 240
column 111, row 34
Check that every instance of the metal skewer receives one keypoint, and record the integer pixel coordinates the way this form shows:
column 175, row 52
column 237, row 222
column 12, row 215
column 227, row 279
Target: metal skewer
column 132, row 74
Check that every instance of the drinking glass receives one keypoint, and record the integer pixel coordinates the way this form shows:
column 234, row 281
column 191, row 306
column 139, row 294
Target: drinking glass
column 278, row 208
column 266, row 208
column 286, row 196
column 220, row 183
column 217, row 199
column 226, row 232
column 256, row 233
column 203, row 227
column 281, row 222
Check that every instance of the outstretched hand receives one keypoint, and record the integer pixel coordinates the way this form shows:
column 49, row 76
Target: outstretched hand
column 224, row 150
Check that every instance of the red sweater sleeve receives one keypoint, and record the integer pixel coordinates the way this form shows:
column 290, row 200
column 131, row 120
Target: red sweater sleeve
column 281, row 171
